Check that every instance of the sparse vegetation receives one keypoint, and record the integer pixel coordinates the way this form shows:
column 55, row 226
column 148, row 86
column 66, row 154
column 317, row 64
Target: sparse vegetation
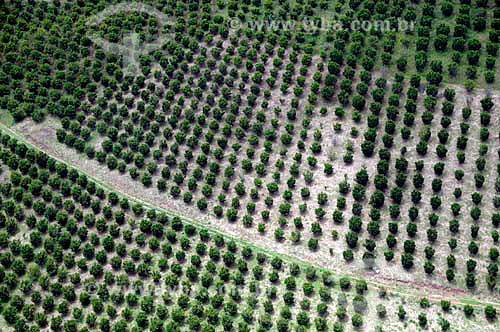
column 351, row 147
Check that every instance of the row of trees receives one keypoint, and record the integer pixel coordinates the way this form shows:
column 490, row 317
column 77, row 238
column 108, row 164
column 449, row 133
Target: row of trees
column 147, row 246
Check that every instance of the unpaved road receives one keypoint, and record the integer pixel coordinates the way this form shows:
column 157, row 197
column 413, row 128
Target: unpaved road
column 42, row 136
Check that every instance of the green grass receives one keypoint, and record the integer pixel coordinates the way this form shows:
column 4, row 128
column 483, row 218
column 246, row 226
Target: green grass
column 445, row 57
column 200, row 224
column 470, row 301
column 6, row 118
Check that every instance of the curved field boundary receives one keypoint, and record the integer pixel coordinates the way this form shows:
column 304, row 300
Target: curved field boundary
column 395, row 286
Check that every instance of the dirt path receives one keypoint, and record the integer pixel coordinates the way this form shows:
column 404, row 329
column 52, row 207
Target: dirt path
column 42, row 136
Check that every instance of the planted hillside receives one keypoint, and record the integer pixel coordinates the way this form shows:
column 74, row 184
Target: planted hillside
column 77, row 257
column 359, row 136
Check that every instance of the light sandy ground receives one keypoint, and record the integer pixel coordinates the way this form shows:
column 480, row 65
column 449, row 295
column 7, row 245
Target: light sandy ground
column 43, row 136
column 329, row 254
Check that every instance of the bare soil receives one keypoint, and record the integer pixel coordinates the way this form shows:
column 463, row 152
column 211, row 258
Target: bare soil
column 43, row 136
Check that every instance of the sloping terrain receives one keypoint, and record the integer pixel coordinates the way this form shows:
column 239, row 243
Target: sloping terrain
column 369, row 153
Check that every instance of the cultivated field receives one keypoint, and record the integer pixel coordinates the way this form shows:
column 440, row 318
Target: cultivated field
column 369, row 155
